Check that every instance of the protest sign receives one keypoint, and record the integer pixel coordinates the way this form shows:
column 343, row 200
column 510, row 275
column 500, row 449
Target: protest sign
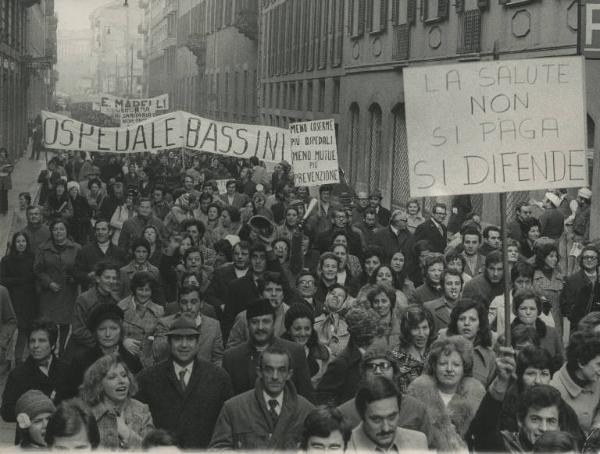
column 222, row 186
column 314, row 153
column 496, row 126
column 131, row 111
column 166, row 132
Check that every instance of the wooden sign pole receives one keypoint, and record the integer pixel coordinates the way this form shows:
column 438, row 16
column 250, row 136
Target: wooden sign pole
column 507, row 282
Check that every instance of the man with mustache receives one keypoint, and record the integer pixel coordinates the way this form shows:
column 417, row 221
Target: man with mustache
column 377, row 403
column 440, row 308
column 270, row 416
column 241, row 361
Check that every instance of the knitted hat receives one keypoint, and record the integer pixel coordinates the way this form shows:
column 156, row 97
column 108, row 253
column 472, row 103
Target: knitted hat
column 377, row 350
column 259, row 307
column 362, row 325
column 554, row 199
column 585, row 193
column 33, row 403
column 73, row 184
column 105, row 312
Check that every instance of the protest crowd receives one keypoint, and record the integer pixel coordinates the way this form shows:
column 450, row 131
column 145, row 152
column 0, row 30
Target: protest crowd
column 204, row 302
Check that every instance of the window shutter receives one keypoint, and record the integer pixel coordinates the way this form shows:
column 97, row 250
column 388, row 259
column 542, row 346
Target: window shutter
column 325, row 33
column 401, row 43
column 351, row 17
column 460, row 6
column 383, row 15
column 339, row 42
column 370, row 7
column 395, row 8
column 443, row 6
column 228, row 12
column 361, row 17
column 423, row 9
column 411, row 11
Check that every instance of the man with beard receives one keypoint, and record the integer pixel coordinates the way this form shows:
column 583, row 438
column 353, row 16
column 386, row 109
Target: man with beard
column 134, row 227
column 486, row 286
column 41, row 370
column 245, row 289
column 581, row 292
column 185, row 394
column 440, row 308
column 241, row 362
column 471, row 240
column 516, row 227
column 210, row 341
column 101, row 249
column 270, row 416
column 540, row 410
column 271, row 288
column 378, row 403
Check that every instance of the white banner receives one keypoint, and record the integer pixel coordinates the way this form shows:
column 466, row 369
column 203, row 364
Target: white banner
column 496, row 126
column 314, row 153
column 131, row 111
column 166, row 132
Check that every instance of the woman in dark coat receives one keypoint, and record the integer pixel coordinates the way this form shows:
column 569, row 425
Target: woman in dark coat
column 55, row 282
column 79, row 224
column 16, row 274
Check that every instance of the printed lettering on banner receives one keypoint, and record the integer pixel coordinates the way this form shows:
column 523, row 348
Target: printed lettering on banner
column 314, row 153
column 496, row 126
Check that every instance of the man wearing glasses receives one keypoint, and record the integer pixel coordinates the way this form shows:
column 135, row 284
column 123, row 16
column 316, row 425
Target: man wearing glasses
column 581, row 292
column 434, row 230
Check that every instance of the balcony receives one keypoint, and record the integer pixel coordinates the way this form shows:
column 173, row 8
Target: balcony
column 196, row 43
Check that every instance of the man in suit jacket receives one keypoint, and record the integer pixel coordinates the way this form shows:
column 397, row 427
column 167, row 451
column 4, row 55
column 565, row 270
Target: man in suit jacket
column 185, row 394
column 396, row 237
column 383, row 214
column 101, row 248
column 218, row 290
column 440, row 308
column 210, row 340
column 378, row 405
column 233, row 198
column 434, row 230
column 474, row 261
column 241, row 361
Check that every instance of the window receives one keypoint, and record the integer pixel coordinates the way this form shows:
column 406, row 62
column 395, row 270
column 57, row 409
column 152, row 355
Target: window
column 356, row 17
column 322, row 95
column 434, row 10
column 374, row 146
column 400, row 189
column 336, row 95
column 309, row 95
column 377, row 15
column 292, row 101
column 284, row 96
column 353, row 141
column 300, row 95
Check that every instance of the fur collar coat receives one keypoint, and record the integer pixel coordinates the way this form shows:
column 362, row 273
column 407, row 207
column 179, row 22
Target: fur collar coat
column 449, row 423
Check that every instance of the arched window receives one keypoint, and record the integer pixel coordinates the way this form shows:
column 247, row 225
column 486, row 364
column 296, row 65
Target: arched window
column 400, row 188
column 374, row 145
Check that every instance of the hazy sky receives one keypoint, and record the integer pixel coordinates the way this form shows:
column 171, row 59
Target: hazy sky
column 74, row 14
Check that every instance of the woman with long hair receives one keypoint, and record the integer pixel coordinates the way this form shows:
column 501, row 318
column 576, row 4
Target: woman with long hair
column 417, row 332
column 17, row 275
column 469, row 319
column 152, row 236
column 299, row 328
column 108, row 387
column 58, row 205
column 548, row 279
column 400, row 275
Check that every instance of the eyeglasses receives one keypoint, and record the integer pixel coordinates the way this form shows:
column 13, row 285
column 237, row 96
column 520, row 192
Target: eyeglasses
column 381, row 366
column 589, row 257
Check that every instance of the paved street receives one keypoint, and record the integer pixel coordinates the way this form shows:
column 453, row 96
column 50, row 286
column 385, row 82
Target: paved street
column 24, row 178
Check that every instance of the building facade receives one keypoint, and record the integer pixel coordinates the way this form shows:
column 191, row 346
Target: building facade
column 115, row 46
column 74, row 66
column 204, row 54
column 27, row 58
column 344, row 59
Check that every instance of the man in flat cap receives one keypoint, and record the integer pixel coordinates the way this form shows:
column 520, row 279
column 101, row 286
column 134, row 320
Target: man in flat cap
column 185, row 394
column 241, row 361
